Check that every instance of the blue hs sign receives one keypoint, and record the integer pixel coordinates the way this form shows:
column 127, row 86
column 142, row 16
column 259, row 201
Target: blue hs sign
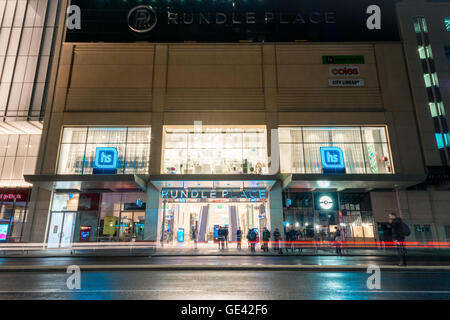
column 106, row 158
column 332, row 160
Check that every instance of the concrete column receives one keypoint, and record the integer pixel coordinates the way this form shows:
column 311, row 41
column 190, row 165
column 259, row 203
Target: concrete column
column 156, row 143
column 37, row 216
column 276, row 208
column 151, row 214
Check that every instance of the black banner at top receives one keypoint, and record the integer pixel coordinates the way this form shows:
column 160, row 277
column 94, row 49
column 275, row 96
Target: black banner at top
column 235, row 20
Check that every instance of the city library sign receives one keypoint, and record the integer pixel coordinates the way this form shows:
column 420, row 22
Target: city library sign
column 235, row 21
column 248, row 194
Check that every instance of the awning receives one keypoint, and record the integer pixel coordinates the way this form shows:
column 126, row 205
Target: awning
column 90, row 183
column 341, row 182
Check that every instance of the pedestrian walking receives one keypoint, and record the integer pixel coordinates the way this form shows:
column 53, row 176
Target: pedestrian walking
column 225, row 235
column 299, row 241
column 265, row 240
column 337, row 240
column 399, row 232
column 239, row 238
column 252, row 239
column 287, row 242
column 194, row 237
column 221, row 234
column 276, row 240
column 293, row 237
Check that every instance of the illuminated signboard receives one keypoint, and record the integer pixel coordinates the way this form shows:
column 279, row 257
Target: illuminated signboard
column 325, row 201
column 234, row 21
column 106, row 160
column 332, row 160
column 3, row 231
column 213, row 194
column 447, row 24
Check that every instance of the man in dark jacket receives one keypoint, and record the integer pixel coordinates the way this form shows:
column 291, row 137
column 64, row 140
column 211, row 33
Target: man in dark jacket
column 398, row 236
column 265, row 240
column 277, row 239
column 239, row 238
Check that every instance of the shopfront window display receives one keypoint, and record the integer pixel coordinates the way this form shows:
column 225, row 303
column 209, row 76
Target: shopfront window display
column 215, row 151
column 353, row 218
column 365, row 149
column 96, row 217
column 79, row 146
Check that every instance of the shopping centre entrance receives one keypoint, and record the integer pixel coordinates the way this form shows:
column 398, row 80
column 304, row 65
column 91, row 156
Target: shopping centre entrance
column 179, row 220
column 193, row 213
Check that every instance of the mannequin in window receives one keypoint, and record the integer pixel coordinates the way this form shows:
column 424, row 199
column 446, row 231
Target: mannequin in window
column 258, row 168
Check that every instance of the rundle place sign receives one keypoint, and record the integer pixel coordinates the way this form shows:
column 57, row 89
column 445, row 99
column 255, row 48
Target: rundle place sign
column 235, row 20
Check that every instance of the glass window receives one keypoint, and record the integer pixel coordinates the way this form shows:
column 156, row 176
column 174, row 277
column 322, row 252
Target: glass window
column 365, row 149
column 215, row 151
column 79, row 145
column 425, row 52
column 18, row 155
column 447, row 52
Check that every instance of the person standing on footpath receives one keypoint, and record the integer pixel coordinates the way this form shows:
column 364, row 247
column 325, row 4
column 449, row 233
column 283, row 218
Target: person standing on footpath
column 239, row 238
column 194, row 237
column 399, row 231
column 337, row 241
column 265, row 240
column 276, row 241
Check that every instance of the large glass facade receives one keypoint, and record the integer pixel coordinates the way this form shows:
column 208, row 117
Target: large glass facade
column 178, row 219
column 365, row 149
column 353, row 218
column 96, row 217
column 79, row 145
column 215, row 151
column 13, row 213
column 18, row 155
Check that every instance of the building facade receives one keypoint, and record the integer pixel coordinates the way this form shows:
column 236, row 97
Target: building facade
column 425, row 32
column 237, row 114
column 27, row 37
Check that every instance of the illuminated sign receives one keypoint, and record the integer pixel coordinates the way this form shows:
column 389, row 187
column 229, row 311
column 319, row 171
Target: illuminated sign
column 233, row 21
column 332, row 159
column 344, row 71
column 106, row 158
column 213, row 194
column 326, row 202
column 180, row 235
column 346, row 82
column 3, row 231
column 447, row 24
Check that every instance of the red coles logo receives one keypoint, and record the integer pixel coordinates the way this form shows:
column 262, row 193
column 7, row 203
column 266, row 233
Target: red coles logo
column 344, row 71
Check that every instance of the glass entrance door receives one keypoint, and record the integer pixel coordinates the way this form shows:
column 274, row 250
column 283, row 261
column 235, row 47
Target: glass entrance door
column 61, row 230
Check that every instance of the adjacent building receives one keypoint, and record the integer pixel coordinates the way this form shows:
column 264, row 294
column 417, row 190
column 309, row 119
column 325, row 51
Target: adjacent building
column 168, row 117
column 27, row 36
column 425, row 31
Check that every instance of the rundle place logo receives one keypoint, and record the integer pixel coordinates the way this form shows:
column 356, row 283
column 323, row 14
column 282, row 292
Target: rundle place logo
column 142, row 19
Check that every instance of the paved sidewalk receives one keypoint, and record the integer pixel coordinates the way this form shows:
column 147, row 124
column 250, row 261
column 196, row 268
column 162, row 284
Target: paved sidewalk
column 174, row 251
column 237, row 267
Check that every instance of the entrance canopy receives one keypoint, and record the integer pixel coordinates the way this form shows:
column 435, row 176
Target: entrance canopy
column 84, row 183
column 214, row 182
column 341, row 182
